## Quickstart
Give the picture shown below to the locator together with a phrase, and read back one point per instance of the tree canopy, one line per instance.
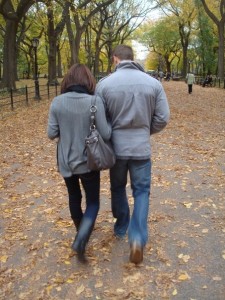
(186, 34)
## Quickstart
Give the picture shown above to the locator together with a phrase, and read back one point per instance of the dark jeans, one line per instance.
(91, 184)
(190, 88)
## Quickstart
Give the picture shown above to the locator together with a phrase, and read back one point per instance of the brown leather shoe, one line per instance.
(136, 253)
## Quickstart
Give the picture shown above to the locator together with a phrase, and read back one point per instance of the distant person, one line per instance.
(137, 108)
(69, 121)
(190, 79)
(168, 75)
(161, 75)
(207, 81)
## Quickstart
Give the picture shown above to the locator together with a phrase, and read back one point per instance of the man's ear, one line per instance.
(116, 60)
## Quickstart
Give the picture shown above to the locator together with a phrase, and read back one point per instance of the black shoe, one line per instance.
(79, 245)
(136, 253)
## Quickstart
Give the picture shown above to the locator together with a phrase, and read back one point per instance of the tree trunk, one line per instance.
(53, 36)
(73, 47)
(221, 51)
(52, 61)
(52, 80)
(12, 19)
(9, 55)
(60, 75)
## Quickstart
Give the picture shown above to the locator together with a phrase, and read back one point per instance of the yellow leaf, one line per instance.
(188, 205)
(67, 262)
(69, 280)
(3, 258)
(183, 277)
(80, 290)
(223, 256)
(174, 292)
(49, 288)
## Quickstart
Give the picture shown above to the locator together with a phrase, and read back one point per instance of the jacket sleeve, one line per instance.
(102, 124)
(161, 113)
(53, 126)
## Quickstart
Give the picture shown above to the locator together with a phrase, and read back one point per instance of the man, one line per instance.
(137, 107)
(161, 75)
(190, 78)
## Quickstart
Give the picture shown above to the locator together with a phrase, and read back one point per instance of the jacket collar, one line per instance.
(129, 64)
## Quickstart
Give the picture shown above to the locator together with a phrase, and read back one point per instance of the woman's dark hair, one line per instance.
(79, 74)
(123, 52)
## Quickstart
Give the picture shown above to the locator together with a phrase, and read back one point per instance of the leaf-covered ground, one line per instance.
(185, 256)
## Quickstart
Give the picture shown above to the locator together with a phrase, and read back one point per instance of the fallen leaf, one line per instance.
(188, 205)
(120, 291)
(174, 292)
(98, 284)
(80, 290)
(184, 277)
(217, 278)
(70, 280)
(3, 258)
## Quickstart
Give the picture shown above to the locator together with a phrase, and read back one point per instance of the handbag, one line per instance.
(100, 154)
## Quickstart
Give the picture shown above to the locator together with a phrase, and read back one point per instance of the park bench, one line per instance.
(210, 84)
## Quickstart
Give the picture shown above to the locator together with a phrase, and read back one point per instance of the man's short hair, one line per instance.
(123, 52)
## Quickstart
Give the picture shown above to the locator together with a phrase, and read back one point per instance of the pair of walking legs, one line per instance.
(83, 221)
(140, 178)
(190, 88)
(136, 224)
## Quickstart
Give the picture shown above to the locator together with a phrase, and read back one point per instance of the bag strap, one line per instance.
(93, 110)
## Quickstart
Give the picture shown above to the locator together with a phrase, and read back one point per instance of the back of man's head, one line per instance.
(123, 52)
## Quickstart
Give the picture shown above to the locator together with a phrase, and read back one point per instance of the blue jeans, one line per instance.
(140, 178)
(91, 184)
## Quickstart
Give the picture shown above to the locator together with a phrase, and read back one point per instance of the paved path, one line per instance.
(185, 257)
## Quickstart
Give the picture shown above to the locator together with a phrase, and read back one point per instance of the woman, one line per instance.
(69, 120)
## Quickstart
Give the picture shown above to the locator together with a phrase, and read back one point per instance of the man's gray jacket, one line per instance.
(137, 106)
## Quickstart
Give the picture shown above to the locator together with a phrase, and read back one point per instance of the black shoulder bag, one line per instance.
(100, 154)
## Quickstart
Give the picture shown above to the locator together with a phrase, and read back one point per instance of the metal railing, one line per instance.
(25, 96)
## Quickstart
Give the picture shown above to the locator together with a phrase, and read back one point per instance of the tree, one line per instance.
(54, 32)
(216, 12)
(81, 14)
(205, 43)
(163, 38)
(114, 25)
(185, 13)
(12, 14)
